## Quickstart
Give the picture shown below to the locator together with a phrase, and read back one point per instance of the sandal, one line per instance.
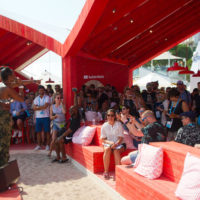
(55, 160)
(64, 161)
(106, 175)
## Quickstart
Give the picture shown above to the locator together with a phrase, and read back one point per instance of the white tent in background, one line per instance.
(195, 67)
(196, 59)
(167, 56)
(163, 81)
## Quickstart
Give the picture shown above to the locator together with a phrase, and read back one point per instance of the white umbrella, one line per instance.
(196, 59)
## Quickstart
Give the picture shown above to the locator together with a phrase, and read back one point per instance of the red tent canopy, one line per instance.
(109, 36)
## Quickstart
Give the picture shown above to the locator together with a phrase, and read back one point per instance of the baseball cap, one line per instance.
(189, 114)
(179, 82)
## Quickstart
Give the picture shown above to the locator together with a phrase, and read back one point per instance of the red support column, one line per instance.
(69, 80)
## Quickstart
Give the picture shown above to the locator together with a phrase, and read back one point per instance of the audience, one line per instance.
(189, 134)
(41, 107)
(152, 132)
(169, 115)
(64, 136)
(112, 139)
(57, 115)
(175, 108)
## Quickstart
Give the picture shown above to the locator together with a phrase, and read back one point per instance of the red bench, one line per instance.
(91, 156)
(133, 186)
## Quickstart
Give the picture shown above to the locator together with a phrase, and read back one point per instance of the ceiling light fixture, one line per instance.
(114, 11)
(28, 43)
(131, 21)
(150, 31)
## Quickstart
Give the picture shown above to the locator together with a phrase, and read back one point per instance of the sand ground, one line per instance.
(43, 180)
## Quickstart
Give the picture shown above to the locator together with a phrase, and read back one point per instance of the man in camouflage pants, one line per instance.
(5, 136)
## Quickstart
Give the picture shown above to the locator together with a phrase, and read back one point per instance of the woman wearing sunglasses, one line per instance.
(57, 114)
(112, 139)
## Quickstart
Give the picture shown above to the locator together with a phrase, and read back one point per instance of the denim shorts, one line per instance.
(133, 156)
(42, 123)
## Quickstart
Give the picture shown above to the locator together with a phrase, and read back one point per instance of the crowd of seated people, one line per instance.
(138, 112)
(150, 115)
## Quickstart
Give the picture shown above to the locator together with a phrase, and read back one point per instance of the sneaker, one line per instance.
(47, 148)
(15, 134)
(37, 147)
(20, 134)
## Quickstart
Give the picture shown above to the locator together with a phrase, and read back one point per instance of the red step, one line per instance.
(133, 186)
(174, 156)
(91, 156)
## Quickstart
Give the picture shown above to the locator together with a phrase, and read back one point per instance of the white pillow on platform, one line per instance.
(84, 135)
(149, 162)
(189, 184)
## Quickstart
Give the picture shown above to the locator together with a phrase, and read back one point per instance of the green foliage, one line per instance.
(182, 50)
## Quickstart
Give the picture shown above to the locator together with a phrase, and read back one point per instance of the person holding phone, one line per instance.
(57, 114)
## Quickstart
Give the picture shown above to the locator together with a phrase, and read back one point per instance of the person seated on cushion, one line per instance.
(19, 116)
(152, 132)
(112, 139)
(65, 136)
(189, 134)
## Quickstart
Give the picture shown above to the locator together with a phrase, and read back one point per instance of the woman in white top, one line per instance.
(112, 139)
(57, 114)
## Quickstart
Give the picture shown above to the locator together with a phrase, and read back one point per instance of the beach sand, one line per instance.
(43, 180)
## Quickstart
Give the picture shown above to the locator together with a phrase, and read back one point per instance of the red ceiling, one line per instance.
(16, 50)
(136, 31)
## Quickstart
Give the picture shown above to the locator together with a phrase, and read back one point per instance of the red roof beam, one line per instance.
(121, 35)
(168, 45)
(161, 35)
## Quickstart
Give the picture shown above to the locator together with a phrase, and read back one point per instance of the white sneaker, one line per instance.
(37, 148)
(47, 148)
(15, 133)
(20, 134)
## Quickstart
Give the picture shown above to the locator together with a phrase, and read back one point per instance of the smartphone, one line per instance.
(74, 89)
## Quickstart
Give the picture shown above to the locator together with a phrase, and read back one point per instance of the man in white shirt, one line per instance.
(41, 107)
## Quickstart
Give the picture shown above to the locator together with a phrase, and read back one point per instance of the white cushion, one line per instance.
(149, 161)
(189, 185)
(129, 141)
(84, 135)
(91, 115)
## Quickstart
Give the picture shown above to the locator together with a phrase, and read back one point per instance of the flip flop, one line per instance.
(55, 160)
(106, 175)
(64, 161)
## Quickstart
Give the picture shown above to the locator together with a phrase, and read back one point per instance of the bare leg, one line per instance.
(57, 148)
(53, 142)
(39, 138)
(48, 138)
(20, 124)
(117, 156)
(62, 149)
(106, 158)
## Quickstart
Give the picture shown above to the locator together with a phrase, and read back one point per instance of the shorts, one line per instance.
(133, 156)
(22, 117)
(42, 123)
(120, 146)
(68, 138)
(58, 126)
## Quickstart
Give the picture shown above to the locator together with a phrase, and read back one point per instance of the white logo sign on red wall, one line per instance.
(93, 76)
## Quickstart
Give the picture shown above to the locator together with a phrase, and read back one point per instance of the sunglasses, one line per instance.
(140, 111)
(123, 108)
(110, 115)
(58, 98)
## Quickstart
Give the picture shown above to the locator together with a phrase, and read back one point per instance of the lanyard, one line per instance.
(172, 111)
